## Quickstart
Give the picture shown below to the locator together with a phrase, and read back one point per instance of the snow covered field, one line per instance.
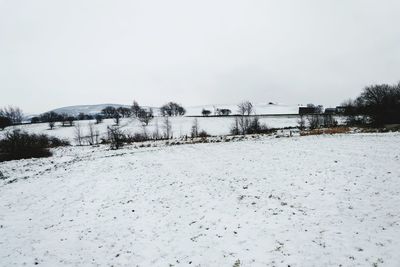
(302, 201)
(180, 126)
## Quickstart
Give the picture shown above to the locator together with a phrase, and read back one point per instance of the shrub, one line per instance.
(195, 129)
(203, 134)
(35, 120)
(314, 121)
(5, 122)
(246, 125)
(329, 121)
(20, 145)
(116, 137)
(301, 122)
(256, 127)
(205, 112)
(335, 130)
(99, 118)
(172, 109)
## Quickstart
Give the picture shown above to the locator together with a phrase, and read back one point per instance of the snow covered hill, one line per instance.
(87, 109)
(302, 201)
(260, 108)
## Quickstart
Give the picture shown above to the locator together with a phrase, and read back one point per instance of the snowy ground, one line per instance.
(302, 201)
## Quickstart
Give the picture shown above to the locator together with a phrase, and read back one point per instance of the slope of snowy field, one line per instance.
(259, 108)
(302, 201)
(86, 109)
(180, 126)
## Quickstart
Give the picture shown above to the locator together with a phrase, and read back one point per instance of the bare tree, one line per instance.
(167, 128)
(381, 103)
(145, 116)
(301, 122)
(15, 114)
(82, 116)
(93, 135)
(52, 124)
(223, 112)
(156, 133)
(145, 134)
(124, 112)
(172, 109)
(117, 117)
(135, 108)
(66, 120)
(245, 108)
(50, 117)
(235, 127)
(195, 128)
(99, 118)
(78, 134)
(70, 120)
(109, 112)
(314, 121)
(63, 118)
(329, 121)
(115, 137)
(247, 125)
(244, 124)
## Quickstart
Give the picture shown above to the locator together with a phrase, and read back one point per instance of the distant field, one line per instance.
(180, 125)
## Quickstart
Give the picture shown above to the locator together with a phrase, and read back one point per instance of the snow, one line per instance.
(266, 201)
(180, 126)
(86, 109)
(259, 108)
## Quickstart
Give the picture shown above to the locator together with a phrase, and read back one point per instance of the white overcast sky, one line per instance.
(60, 53)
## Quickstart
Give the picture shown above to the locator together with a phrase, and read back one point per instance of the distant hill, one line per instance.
(87, 109)
(260, 108)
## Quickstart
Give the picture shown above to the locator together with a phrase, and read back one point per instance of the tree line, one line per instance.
(14, 115)
(377, 105)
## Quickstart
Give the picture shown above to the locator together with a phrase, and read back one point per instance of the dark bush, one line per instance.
(20, 145)
(203, 134)
(99, 118)
(172, 109)
(5, 122)
(35, 120)
(256, 127)
(205, 112)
